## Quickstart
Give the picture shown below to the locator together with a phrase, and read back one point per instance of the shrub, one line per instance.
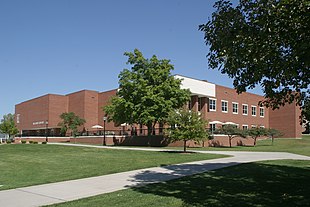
(43, 142)
(8, 141)
(35, 142)
(30, 142)
(24, 141)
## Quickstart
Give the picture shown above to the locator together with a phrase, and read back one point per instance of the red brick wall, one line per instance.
(230, 95)
(104, 99)
(39, 110)
(286, 120)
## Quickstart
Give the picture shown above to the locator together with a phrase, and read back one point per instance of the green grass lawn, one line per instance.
(282, 183)
(29, 164)
(297, 146)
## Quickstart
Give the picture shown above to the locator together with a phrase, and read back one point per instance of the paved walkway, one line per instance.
(75, 189)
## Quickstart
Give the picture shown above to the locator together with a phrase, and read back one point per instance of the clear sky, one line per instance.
(62, 46)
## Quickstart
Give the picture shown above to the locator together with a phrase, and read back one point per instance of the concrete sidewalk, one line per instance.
(75, 189)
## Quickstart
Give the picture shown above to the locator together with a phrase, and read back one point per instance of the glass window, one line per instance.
(244, 109)
(225, 106)
(212, 104)
(212, 127)
(235, 108)
(17, 118)
(261, 112)
(253, 110)
(245, 127)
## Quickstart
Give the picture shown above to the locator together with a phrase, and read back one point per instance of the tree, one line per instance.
(231, 131)
(254, 133)
(70, 121)
(7, 125)
(186, 125)
(305, 114)
(273, 133)
(147, 93)
(264, 42)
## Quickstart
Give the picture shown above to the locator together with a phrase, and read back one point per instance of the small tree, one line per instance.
(70, 122)
(273, 133)
(7, 125)
(231, 131)
(254, 133)
(186, 125)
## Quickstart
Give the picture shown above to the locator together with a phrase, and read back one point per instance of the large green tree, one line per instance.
(7, 125)
(147, 92)
(254, 133)
(305, 113)
(264, 42)
(186, 125)
(70, 121)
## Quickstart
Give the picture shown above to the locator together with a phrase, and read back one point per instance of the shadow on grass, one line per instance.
(253, 184)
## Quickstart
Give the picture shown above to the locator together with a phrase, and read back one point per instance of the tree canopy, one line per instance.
(264, 42)
(232, 131)
(186, 125)
(70, 121)
(7, 125)
(147, 92)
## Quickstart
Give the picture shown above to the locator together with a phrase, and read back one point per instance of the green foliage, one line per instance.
(8, 141)
(44, 142)
(305, 113)
(70, 122)
(231, 131)
(147, 93)
(34, 142)
(254, 133)
(273, 133)
(186, 125)
(264, 42)
(7, 125)
(30, 142)
(23, 141)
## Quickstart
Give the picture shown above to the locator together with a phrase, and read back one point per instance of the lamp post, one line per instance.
(46, 130)
(104, 121)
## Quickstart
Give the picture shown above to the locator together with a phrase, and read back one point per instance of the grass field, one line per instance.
(30, 164)
(282, 183)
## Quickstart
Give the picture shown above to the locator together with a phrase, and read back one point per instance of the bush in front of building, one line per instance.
(44, 142)
(24, 141)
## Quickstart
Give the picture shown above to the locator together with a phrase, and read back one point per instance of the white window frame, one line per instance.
(233, 107)
(263, 109)
(253, 126)
(213, 99)
(245, 125)
(224, 101)
(247, 106)
(252, 106)
(262, 127)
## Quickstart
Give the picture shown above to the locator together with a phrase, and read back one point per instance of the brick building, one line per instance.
(218, 104)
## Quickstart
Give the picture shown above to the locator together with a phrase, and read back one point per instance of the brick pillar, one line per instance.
(195, 103)
(204, 107)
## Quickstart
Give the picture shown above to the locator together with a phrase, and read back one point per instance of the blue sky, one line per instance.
(62, 46)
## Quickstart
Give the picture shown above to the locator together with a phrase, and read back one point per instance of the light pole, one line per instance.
(104, 121)
(46, 130)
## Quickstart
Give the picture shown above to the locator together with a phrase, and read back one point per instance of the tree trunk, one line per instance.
(184, 146)
(149, 133)
(272, 139)
(255, 141)
(230, 138)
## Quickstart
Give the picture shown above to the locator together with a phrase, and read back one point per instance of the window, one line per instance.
(253, 110)
(244, 109)
(261, 111)
(235, 108)
(253, 126)
(212, 104)
(225, 106)
(262, 127)
(212, 128)
(17, 118)
(245, 127)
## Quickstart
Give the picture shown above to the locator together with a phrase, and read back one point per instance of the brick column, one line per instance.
(204, 107)
(195, 103)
